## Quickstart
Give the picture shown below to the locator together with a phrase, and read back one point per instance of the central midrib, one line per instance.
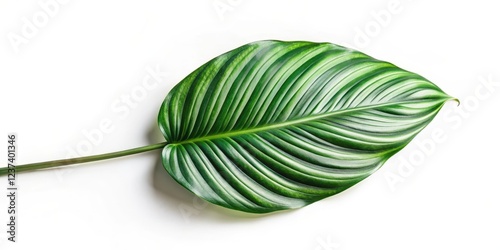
(299, 121)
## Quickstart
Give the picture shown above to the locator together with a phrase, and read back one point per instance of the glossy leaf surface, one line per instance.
(277, 125)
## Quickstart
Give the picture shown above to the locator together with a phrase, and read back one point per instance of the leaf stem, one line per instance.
(64, 162)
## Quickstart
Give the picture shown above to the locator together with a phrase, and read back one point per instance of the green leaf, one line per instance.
(277, 125)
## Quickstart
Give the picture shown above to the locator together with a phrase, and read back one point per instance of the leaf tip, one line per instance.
(455, 99)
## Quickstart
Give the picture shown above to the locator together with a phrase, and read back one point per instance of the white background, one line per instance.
(75, 68)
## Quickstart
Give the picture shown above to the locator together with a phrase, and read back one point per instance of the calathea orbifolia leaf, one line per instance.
(277, 125)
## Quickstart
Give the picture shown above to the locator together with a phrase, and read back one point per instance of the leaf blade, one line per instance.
(277, 125)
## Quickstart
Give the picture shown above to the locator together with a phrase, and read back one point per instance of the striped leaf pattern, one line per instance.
(276, 125)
